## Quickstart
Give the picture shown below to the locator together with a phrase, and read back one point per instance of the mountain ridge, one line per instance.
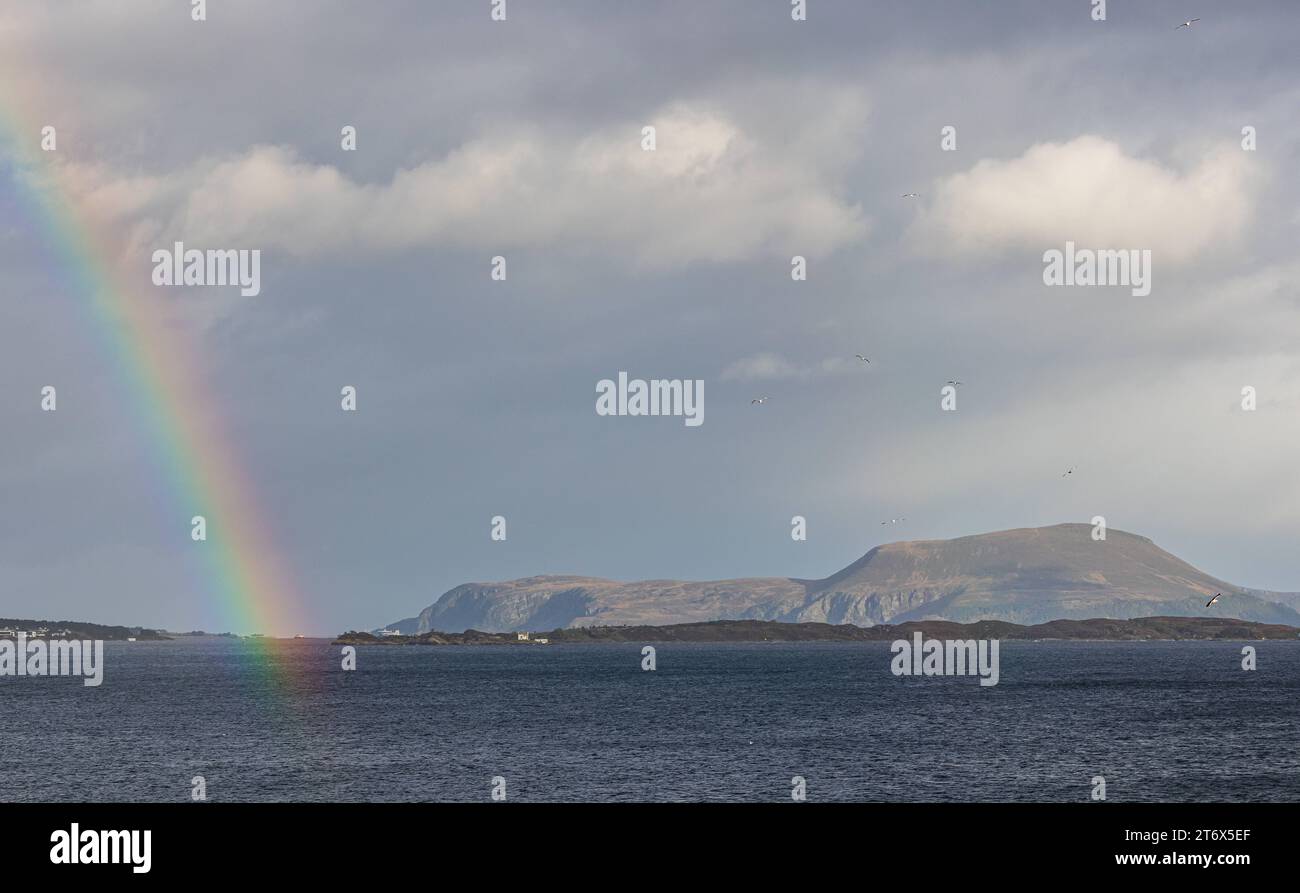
(1023, 575)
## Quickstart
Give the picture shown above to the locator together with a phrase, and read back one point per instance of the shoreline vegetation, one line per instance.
(75, 629)
(1137, 629)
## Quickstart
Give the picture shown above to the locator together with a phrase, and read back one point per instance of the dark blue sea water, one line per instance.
(1165, 721)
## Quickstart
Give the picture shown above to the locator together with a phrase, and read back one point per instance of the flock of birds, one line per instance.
(956, 383)
(862, 358)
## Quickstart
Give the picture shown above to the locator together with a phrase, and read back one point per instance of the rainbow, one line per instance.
(160, 366)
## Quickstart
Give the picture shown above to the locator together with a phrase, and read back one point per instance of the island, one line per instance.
(77, 629)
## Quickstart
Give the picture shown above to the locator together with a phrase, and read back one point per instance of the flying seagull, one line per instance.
(893, 521)
(911, 195)
(1213, 600)
(1070, 471)
(758, 400)
(862, 358)
(954, 383)
(1188, 23)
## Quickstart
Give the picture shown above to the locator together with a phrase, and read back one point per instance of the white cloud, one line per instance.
(774, 367)
(1089, 191)
(712, 192)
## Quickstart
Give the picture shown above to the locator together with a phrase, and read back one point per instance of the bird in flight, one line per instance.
(1069, 471)
(758, 400)
(862, 358)
(954, 383)
(1188, 23)
(1213, 600)
(892, 521)
(911, 195)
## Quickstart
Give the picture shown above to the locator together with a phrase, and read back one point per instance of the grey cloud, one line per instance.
(475, 396)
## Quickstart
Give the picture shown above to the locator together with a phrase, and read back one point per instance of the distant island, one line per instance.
(201, 634)
(1025, 576)
(1137, 629)
(76, 629)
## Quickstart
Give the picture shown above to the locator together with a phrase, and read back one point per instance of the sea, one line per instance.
(263, 720)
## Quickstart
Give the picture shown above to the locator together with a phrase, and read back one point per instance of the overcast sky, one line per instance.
(775, 138)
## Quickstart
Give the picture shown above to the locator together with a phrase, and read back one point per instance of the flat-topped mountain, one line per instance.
(1024, 576)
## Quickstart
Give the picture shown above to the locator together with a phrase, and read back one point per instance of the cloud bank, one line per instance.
(709, 192)
(1090, 191)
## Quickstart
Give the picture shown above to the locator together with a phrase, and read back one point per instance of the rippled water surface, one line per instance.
(1171, 721)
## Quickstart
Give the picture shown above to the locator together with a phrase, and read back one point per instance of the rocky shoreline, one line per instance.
(1138, 629)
